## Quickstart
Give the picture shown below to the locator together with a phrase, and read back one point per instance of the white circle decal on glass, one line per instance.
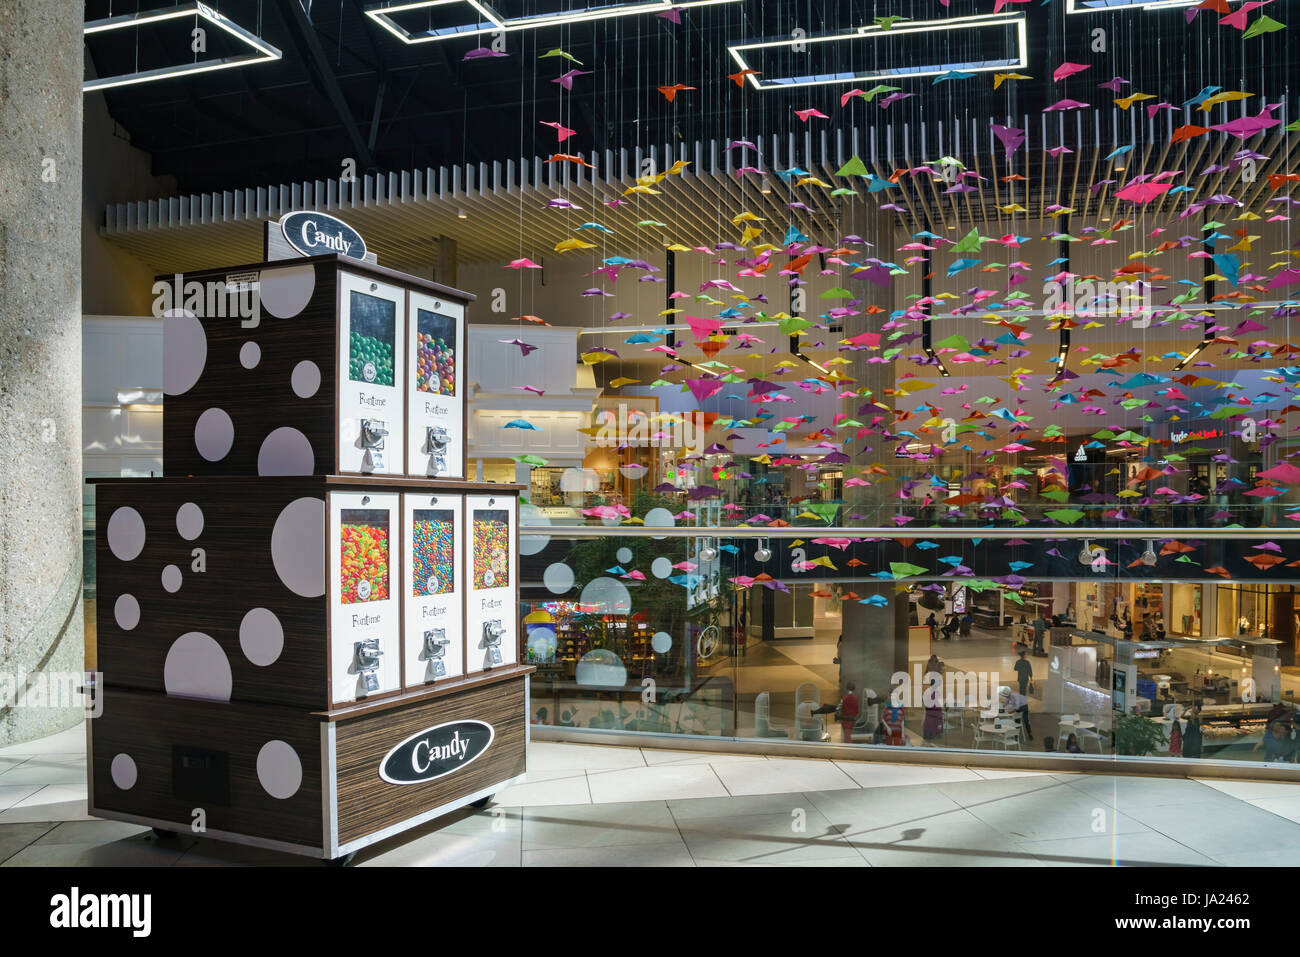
(171, 578)
(189, 521)
(298, 547)
(123, 771)
(126, 612)
(305, 379)
(261, 637)
(532, 544)
(185, 351)
(662, 642)
(623, 555)
(558, 578)
(659, 518)
(196, 667)
(250, 354)
(579, 480)
(609, 595)
(602, 668)
(125, 533)
(214, 434)
(279, 769)
(285, 292)
(661, 567)
(286, 451)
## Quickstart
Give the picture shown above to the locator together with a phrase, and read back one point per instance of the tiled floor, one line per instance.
(587, 805)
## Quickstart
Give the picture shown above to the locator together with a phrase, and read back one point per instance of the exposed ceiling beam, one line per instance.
(305, 35)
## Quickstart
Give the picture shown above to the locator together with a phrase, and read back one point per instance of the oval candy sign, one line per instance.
(316, 234)
(436, 752)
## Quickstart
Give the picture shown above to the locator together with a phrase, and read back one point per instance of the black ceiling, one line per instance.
(346, 88)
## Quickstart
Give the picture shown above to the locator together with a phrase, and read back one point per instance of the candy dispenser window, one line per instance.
(435, 360)
(491, 548)
(363, 555)
(433, 552)
(371, 340)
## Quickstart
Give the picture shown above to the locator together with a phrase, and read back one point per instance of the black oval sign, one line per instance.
(436, 752)
(316, 234)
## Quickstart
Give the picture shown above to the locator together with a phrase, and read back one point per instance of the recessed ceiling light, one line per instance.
(488, 20)
(126, 21)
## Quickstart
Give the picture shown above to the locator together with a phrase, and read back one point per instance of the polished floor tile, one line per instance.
(868, 774)
(131, 852)
(778, 775)
(546, 788)
(53, 802)
(46, 769)
(658, 783)
(668, 854)
(1147, 849)
(554, 756)
(655, 758)
(640, 822)
(798, 835)
(608, 806)
(71, 742)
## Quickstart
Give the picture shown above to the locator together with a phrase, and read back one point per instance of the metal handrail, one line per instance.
(841, 531)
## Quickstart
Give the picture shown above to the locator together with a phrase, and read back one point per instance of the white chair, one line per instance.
(763, 727)
(1068, 725)
(807, 726)
(1084, 735)
(980, 737)
(1008, 733)
(868, 718)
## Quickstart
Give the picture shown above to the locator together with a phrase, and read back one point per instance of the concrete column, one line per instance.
(875, 638)
(40, 358)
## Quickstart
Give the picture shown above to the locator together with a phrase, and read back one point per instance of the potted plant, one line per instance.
(1138, 735)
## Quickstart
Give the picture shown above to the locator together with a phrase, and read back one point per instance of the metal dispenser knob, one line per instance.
(365, 658)
(493, 631)
(372, 440)
(435, 650)
(436, 441)
(435, 643)
(372, 434)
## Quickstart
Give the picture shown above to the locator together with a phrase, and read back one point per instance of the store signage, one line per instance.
(316, 234)
(1197, 436)
(436, 752)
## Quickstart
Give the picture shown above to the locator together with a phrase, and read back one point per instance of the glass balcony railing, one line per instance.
(1110, 642)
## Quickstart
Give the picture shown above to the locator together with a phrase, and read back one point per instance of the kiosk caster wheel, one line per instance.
(163, 834)
(482, 802)
(344, 861)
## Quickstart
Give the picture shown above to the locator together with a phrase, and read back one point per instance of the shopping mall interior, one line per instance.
(887, 385)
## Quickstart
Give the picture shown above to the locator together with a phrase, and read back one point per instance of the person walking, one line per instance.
(849, 710)
(1040, 628)
(1024, 672)
(1192, 737)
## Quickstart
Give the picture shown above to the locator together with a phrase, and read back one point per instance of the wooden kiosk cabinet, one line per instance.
(323, 365)
(301, 647)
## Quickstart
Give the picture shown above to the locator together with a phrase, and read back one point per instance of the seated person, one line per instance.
(1072, 745)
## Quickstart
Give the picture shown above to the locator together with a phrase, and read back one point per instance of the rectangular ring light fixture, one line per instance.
(1101, 6)
(263, 51)
(1006, 35)
(477, 18)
